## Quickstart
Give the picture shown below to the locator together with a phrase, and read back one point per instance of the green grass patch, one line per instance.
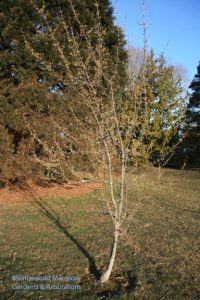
(70, 237)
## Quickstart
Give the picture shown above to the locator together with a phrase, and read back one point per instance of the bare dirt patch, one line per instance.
(18, 194)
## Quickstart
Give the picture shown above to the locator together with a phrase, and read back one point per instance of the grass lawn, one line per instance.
(70, 236)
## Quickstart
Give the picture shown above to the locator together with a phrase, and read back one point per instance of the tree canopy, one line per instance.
(31, 97)
(193, 123)
(47, 44)
(161, 106)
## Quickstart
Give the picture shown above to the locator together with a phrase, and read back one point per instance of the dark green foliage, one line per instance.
(16, 17)
(21, 18)
(34, 104)
(192, 142)
(187, 152)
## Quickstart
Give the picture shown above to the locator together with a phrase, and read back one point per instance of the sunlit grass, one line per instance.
(64, 235)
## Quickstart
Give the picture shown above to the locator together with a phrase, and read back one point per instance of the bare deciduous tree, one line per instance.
(85, 70)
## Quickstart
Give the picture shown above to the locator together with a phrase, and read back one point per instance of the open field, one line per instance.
(71, 236)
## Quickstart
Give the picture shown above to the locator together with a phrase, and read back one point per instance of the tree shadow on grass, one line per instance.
(53, 216)
(121, 284)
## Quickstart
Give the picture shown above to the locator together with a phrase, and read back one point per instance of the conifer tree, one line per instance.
(161, 107)
(28, 90)
(192, 143)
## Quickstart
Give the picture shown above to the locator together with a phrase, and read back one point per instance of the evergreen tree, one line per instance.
(160, 111)
(29, 94)
(21, 18)
(192, 143)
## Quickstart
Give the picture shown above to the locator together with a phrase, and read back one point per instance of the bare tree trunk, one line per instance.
(106, 274)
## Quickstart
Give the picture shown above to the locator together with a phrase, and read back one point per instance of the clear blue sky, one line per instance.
(173, 27)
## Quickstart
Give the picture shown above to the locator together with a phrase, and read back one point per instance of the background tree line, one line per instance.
(41, 135)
